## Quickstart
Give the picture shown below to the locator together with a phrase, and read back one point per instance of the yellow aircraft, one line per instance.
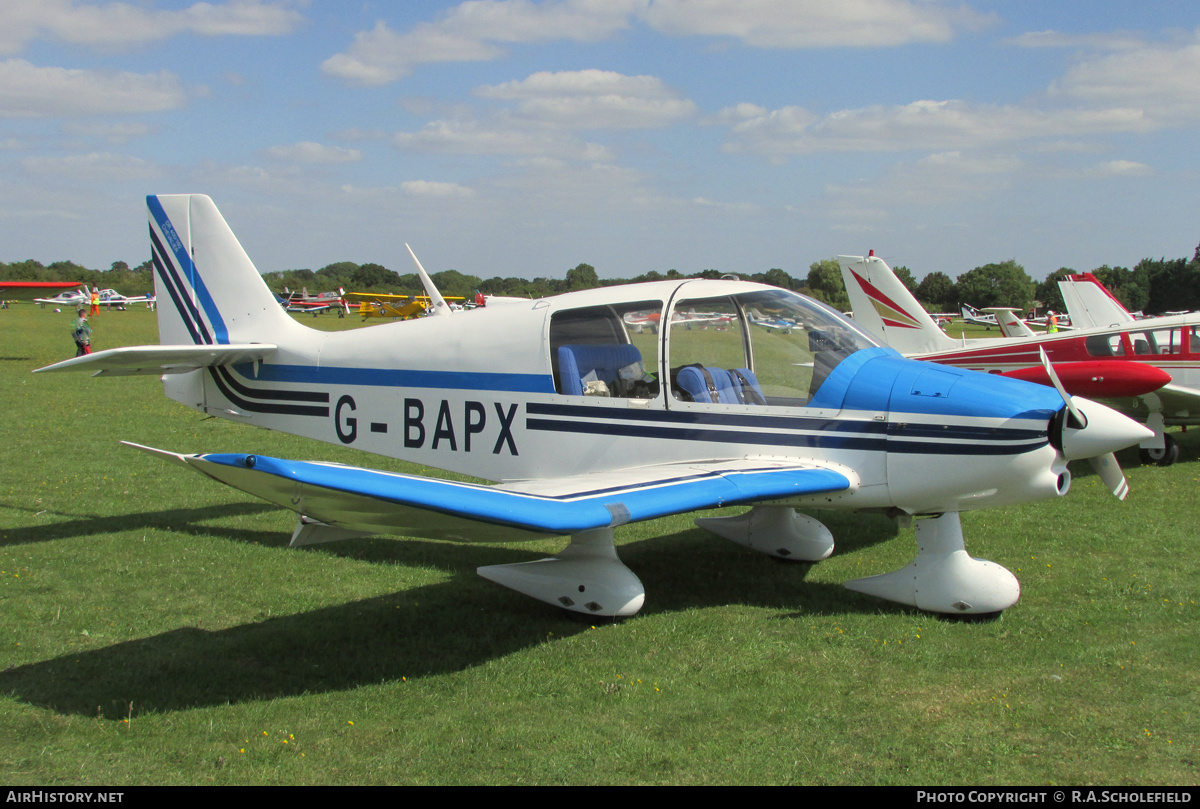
(402, 307)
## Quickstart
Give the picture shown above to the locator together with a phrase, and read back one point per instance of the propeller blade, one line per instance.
(1058, 385)
(1109, 470)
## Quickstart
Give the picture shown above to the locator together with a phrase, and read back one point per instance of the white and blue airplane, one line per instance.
(586, 425)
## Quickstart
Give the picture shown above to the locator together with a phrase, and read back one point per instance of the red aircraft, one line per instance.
(1147, 369)
(28, 290)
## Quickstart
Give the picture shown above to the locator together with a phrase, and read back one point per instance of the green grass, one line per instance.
(157, 630)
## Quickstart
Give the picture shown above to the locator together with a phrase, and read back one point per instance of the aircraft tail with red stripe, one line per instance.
(883, 305)
(1090, 304)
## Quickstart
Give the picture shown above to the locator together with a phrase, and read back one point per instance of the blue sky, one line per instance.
(520, 138)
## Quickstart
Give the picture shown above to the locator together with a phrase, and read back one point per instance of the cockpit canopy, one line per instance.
(761, 346)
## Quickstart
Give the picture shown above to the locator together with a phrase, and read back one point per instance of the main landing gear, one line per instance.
(1161, 457)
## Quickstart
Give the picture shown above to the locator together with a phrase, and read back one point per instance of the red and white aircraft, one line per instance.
(1147, 369)
(29, 290)
(1090, 304)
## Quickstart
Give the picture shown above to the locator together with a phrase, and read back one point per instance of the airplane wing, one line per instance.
(309, 308)
(375, 296)
(1174, 401)
(372, 501)
(159, 359)
(29, 290)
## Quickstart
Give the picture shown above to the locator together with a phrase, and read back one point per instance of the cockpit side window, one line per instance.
(1104, 345)
(1164, 341)
(606, 351)
(768, 347)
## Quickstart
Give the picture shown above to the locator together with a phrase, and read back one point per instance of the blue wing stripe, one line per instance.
(579, 511)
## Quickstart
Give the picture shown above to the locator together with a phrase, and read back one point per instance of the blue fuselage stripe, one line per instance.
(725, 419)
(831, 438)
(547, 417)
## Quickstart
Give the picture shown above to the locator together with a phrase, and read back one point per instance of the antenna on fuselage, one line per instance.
(437, 304)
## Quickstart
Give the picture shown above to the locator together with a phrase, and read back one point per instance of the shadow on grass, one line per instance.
(441, 628)
(185, 520)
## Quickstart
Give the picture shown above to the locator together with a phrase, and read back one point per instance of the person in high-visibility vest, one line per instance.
(1051, 322)
(95, 301)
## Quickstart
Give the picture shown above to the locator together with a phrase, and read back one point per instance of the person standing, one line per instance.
(95, 300)
(82, 332)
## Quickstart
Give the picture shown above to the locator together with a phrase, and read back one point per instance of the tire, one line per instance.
(1161, 457)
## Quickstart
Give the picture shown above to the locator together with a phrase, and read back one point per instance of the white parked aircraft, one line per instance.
(68, 298)
(107, 298)
(588, 425)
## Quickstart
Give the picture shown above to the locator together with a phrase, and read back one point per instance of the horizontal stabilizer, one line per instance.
(156, 360)
(393, 503)
(1009, 322)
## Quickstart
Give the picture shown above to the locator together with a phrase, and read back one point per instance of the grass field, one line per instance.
(156, 629)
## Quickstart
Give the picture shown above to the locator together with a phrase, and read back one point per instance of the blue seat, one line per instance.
(695, 383)
(726, 388)
(750, 393)
(605, 360)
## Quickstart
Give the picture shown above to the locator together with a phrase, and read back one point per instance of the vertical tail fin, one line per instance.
(437, 304)
(883, 305)
(208, 290)
(1089, 303)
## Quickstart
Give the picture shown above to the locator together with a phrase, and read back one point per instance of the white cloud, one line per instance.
(475, 31)
(309, 152)
(284, 181)
(814, 23)
(426, 188)
(727, 207)
(1108, 40)
(28, 91)
(118, 133)
(473, 138)
(594, 99)
(1162, 80)
(548, 107)
(943, 180)
(1120, 168)
(94, 167)
(479, 30)
(942, 125)
(119, 24)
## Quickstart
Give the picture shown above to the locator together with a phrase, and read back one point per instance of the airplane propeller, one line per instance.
(1096, 440)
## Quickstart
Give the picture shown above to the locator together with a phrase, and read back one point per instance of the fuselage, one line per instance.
(1171, 344)
(567, 386)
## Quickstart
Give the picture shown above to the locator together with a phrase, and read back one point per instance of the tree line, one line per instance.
(1153, 286)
